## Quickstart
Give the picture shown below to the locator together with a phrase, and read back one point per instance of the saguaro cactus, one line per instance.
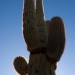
(45, 41)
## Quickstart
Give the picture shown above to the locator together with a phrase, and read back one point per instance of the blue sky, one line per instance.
(11, 40)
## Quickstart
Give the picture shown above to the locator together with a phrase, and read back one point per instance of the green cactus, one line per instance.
(45, 41)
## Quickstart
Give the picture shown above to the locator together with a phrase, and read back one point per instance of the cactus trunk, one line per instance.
(40, 65)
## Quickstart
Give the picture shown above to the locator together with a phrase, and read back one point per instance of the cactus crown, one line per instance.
(34, 28)
(34, 31)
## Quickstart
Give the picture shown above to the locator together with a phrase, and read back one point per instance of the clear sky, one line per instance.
(11, 40)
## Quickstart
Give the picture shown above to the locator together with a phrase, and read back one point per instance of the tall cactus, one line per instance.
(45, 41)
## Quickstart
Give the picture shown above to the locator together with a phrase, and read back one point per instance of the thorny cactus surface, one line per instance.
(45, 41)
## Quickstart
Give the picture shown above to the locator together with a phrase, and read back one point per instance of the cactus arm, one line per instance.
(21, 65)
(41, 23)
(39, 9)
(30, 31)
(56, 39)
